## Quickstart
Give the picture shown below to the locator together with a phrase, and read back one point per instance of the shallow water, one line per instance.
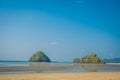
(36, 67)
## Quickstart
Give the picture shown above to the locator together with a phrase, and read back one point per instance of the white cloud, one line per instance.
(53, 43)
(79, 2)
(82, 50)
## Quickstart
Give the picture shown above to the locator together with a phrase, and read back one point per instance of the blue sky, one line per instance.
(63, 29)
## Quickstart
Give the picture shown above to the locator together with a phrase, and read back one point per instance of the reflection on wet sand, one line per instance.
(60, 67)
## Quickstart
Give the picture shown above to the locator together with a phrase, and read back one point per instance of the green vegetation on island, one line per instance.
(91, 58)
(39, 57)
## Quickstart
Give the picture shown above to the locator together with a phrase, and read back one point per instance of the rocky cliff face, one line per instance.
(91, 58)
(39, 57)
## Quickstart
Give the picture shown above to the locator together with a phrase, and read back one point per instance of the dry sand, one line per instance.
(64, 76)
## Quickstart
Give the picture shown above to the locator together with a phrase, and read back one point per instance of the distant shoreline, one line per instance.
(57, 62)
(12, 61)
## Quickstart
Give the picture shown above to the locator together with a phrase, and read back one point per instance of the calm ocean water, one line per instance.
(36, 67)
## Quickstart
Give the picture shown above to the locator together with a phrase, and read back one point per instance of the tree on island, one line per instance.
(91, 58)
(39, 57)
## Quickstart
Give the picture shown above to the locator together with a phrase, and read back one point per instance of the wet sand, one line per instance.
(59, 67)
(64, 76)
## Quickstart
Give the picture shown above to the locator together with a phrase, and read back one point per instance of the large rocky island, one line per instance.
(91, 58)
(39, 57)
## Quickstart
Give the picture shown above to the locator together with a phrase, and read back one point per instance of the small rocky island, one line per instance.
(91, 58)
(39, 57)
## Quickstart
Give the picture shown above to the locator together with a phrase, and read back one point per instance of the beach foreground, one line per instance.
(64, 76)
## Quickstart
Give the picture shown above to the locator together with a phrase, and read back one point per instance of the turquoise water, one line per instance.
(36, 67)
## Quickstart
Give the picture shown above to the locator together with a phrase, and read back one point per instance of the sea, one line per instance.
(24, 67)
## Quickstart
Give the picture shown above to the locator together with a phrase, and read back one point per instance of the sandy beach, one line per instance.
(64, 76)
